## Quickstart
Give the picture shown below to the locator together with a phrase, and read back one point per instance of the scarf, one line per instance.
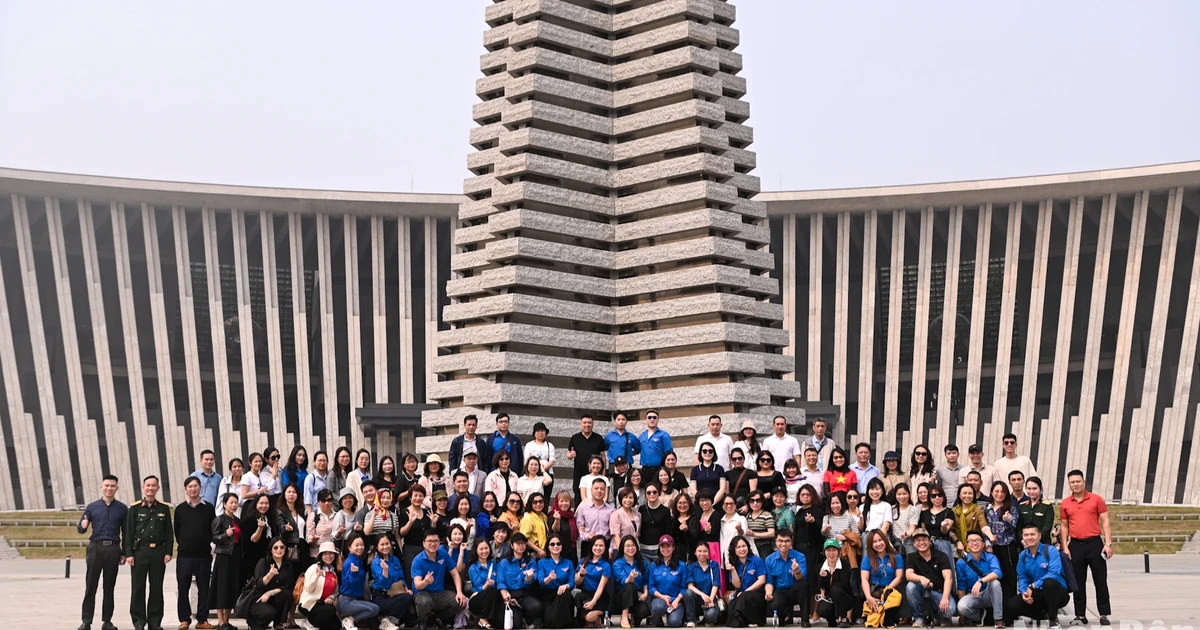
(569, 517)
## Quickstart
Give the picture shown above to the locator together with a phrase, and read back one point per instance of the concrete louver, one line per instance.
(610, 255)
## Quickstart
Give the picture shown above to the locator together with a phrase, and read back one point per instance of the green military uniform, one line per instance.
(149, 539)
(1041, 515)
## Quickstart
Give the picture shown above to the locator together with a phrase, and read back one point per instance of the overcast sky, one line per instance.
(377, 95)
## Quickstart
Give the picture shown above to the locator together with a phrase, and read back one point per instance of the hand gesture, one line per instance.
(353, 568)
(288, 526)
(808, 517)
(341, 529)
(553, 576)
(825, 529)
(229, 531)
(429, 578)
(769, 596)
(384, 566)
(795, 566)
(273, 571)
(632, 576)
(824, 572)
(728, 566)
(582, 570)
(262, 522)
(706, 526)
(740, 530)
(1007, 516)
(490, 583)
(84, 523)
(358, 527)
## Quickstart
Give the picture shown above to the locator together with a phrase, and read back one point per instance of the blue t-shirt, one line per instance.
(750, 571)
(478, 574)
(1035, 567)
(667, 580)
(593, 571)
(564, 573)
(779, 568)
(512, 573)
(704, 579)
(655, 447)
(354, 577)
(621, 570)
(883, 574)
(622, 445)
(422, 565)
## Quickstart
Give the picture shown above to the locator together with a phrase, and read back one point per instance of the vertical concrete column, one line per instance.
(404, 254)
(1108, 446)
(255, 439)
(895, 306)
(861, 425)
(379, 309)
(274, 332)
(1037, 304)
(354, 316)
(920, 365)
(24, 438)
(432, 311)
(1138, 453)
(841, 310)
(300, 314)
(943, 430)
(978, 307)
(788, 258)
(201, 437)
(229, 441)
(1051, 441)
(1008, 302)
(328, 326)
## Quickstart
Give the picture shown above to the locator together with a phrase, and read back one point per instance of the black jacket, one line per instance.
(224, 542)
(482, 446)
(282, 519)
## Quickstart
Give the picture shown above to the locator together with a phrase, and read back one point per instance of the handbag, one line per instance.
(508, 617)
(241, 609)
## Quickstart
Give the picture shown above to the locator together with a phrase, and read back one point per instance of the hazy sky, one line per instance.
(377, 95)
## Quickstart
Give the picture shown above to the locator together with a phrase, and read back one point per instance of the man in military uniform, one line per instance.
(149, 543)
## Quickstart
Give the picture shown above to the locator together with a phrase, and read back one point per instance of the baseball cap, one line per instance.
(666, 539)
(891, 455)
(833, 542)
(921, 531)
(975, 448)
(620, 461)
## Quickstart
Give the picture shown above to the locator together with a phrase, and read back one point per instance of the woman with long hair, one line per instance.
(922, 496)
(320, 590)
(733, 525)
(882, 569)
(457, 548)
(968, 515)
(514, 508)
(839, 477)
(704, 588)
(271, 472)
(891, 475)
(518, 582)
(679, 481)
(806, 533)
(666, 492)
(555, 576)
(535, 525)
(938, 520)
(320, 526)
(768, 477)
(742, 480)
(905, 518)
(592, 580)
(792, 480)
(386, 476)
(274, 579)
(235, 482)
(339, 470)
(595, 471)
(709, 476)
(296, 470)
(749, 440)
(434, 478)
(562, 522)
(460, 514)
(631, 576)
(489, 509)
(485, 603)
(625, 520)
(1003, 518)
(685, 526)
(226, 581)
(352, 599)
(638, 486)
(360, 473)
(841, 526)
(921, 467)
(747, 584)
(710, 530)
(290, 523)
(257, 527)
(501, 481)
(668, 581)
(387, 570)
(408, 478)
(761, 525)
(439, 514)
(534, 480)
(876, 511)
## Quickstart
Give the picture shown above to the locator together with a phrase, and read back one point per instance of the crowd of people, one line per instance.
(773, 530)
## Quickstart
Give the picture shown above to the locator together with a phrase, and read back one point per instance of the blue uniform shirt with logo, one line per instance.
(779, 568)
(593, 571)
(1034, 566)
(354, 577)
(967, 577)
(885, 572)
(621, 569)
(622, 445)
(704, 579)
(564, 573)
(422, 565)
(395, 573)
(668, 581)
(512, 573)
(655, 447)
(749, 571)
(479, 573)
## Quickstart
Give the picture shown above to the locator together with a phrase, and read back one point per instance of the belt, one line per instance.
(106, 543)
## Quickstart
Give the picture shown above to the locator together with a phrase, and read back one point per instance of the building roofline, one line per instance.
(192, 194)
(975, 192)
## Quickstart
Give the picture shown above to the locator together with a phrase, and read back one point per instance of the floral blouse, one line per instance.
(1004, 531)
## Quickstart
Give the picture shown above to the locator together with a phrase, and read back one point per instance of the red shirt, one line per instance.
(330, 585)
(1083, 516)
(841, 481)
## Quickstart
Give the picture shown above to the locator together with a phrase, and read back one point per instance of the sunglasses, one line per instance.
(278, 547)
(538, 501)
(555, 544)
(652, 492)
(851, 497)
(736, 459)
(514, 501)
(652, 417)
(708, 452)
(273, 458)
(756, 500)
(329, 500)
(919, 454)
(1008, 442)
(937, 496)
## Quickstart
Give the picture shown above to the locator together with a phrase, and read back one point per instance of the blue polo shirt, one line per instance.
(655, 447)
(622, 445)
(210, 484)
(704, 579)
(885, 572)
(966, 577)
(621, 570)
(668, 581)
(422, 565)
(512, 573)
(750, 571)
(779, 568)
(564, 573)
(1035, 566)
(593, 572)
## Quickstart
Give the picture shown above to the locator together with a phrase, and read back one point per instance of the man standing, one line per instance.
(987, 472)
(620, 476)
(106, 517)
(721, 443)
(1016, 481)
(619, 442)
(502, 440)
(475, 475)
(580, 449)
(1087, 538)
(782, 445)
(949, 475)
(591, 519)
(1041, 590)
(929, 572)
(316, 482)
(1012, 462)
(469, 442)
(149, 543)
(193, 532)
(979, 588)
(819, 441)
(655, 446)
(429, 571)
(462, 488)
(863, 467)
(810, 472)
(210, 481)
(787, 580)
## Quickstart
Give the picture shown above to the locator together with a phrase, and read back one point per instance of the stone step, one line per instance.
(8, 552)
(1192, 546)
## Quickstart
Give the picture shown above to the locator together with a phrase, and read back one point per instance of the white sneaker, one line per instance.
(386, 623)
(691, 624)
(348, 623)
(305, 624)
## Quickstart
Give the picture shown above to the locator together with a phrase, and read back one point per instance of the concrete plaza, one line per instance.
(38, 594)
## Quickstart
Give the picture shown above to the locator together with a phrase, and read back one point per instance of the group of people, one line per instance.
(761, 530)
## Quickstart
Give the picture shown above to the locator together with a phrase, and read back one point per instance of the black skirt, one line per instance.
(488, 604)
(226, 583)
(748, 609)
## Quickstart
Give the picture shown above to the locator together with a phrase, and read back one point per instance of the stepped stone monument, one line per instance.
(611, 255)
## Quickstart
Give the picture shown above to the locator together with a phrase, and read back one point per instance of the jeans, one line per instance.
(692, 607)
(972, 607)
(185, 569)
(658, 610)
(945, 546)
(359, 609)
(916, 600)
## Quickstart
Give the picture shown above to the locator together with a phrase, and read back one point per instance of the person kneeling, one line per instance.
(929, 574)
(704, 588)
(748, 580)
(555, 574)
(787, 580)
(273, 582)
(320, 591)
(388, 589)
(1041, 588)
(978, 574)
(429, 570)
(668, 581)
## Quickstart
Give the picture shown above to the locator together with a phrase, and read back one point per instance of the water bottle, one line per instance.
(775, 619)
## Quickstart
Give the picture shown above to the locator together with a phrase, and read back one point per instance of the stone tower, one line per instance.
(611, 255)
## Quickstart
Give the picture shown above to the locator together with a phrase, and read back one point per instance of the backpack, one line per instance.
(1067, 576)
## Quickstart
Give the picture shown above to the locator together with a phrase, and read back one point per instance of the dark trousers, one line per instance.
(838, 603)
(1089, 553)
(436, 604)
(396, 606)
(148, 566)
(106, 560)
(323, 616)
(528, 610)
(274, 610)
(785, 600)
(185, 570)
(1046, 602)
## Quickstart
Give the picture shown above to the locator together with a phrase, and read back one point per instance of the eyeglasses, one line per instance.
(278, 547)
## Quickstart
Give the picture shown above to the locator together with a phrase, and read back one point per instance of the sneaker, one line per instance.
(348, 623)
(305, 624)
(1104, 620)
(386, 623)
(1054, 625)
(918, 623)
(691, 624)
(999, 625)
(843, 624)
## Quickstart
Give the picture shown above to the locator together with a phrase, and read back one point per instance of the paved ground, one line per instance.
(37, 593)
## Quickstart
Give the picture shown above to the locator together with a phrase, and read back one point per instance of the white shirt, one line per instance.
(722, 443)
(544, 452)
(878, 514)
(782, 449)
(751, 458)
(527, 487)
(252, 482)
(729, 531)
(228, 486)
(270, 481)
(585, 485)
(1004, 466)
